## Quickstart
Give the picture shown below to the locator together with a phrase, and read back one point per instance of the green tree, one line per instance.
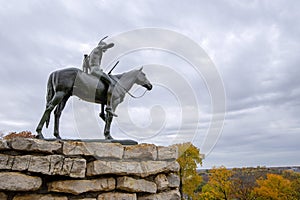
(189, 158)
(219, 185)
(274, 187)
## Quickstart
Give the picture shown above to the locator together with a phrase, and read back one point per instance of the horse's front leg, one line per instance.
(102, 113)
(109, 118)
(108, 121)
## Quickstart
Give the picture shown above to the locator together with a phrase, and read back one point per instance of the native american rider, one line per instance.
(95, 67)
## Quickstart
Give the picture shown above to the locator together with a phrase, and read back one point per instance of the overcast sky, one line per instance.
(254, 45)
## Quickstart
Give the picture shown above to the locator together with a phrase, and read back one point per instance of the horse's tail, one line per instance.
(50, 94)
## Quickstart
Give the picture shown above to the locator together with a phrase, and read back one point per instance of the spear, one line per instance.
(113, 67)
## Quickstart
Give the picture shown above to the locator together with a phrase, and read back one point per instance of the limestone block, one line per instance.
(80, 186)
(167, 153)
(21, 163)
(36, 145)
(49, 165)
(3, 196)
(142, 169)
(6, 161)
(169, 195)
(135, 185)
(87, 199)
(116, 196)
(39, 197)
(14, 181)
(3, 145)
(161, 182)
(40, 164)
(97, 149)
(141, 152)
(174, 180)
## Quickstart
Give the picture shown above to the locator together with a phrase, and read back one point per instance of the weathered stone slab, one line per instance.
(39, 197)
(14, 181)
(87, 199)
(6, 161)
(116, 196)
(135, 185)
(167, 153)
(140, 152)
(170, 195)
(3, 145)
(40, 164)
(99, 150)
(58, 165)
(142, 169)
(174, 180)
(3, 196)
(49, 165)
(21, 163)
(80, 186)
(161, 182)
(35, 145)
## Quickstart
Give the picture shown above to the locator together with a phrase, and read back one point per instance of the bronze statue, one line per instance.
(96, 87)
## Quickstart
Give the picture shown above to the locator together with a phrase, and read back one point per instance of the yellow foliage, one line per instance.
(219, 185)
(189, 157)
(274, 187)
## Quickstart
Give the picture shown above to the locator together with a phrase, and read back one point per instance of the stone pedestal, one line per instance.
(90, 170)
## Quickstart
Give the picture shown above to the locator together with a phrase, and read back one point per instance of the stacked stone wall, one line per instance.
(32, 169)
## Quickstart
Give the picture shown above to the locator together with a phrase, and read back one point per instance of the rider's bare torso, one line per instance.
(95, 57)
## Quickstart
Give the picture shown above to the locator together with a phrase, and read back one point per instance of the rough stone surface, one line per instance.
(21, 163)
(135, 185)
(39, 197)
(141, 152)
(6, 161)
(170, 195)
(97, 149)
(167, 153)
(161, 182)
(49, 165)
(80, 186)
(87, 199)
(14, 181)
(3, 196)
(117, 196)
(174, 180)
(143, 169)
(3, 145)
(36, 145)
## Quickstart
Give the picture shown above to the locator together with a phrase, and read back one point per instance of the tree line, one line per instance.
(233, 184)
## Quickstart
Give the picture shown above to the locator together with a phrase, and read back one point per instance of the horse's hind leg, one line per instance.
(57, 113)
(49, 107)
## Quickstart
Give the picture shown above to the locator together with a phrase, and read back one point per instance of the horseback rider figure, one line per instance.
(94, 64)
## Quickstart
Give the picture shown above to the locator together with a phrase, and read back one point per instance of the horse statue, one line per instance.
(62, 84)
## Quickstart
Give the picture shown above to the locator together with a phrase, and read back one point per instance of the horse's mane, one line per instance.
(120, 75)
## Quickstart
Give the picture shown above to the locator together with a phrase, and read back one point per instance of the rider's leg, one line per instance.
(109, 102)
(108, 80)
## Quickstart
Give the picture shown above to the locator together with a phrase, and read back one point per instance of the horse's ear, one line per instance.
(141, 69)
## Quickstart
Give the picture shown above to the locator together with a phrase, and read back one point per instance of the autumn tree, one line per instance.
(219, 185)
(294, 177)
(189, 158)
(274, 187)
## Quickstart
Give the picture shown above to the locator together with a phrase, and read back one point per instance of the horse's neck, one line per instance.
(128, 79)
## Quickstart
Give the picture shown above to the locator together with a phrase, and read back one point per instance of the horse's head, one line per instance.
(142, 79)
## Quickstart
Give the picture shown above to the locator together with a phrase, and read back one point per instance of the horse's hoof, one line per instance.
(39, 136)
(57, 136)
(109, 137)
(102, 116)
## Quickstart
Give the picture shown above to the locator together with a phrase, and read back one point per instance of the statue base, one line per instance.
(123, 142)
